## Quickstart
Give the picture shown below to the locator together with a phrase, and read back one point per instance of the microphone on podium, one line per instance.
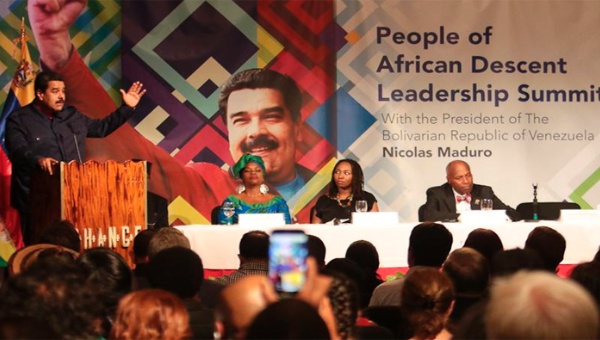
(70, 125)
(534, 206)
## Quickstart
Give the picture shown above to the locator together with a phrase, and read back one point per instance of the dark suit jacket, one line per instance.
(441, 203)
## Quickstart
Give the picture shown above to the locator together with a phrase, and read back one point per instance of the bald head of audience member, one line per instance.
(540, 305)
(550, 244)
(166, 238)
(239, 303)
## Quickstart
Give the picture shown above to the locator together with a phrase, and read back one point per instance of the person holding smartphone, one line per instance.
(345, 190)
(253, 196)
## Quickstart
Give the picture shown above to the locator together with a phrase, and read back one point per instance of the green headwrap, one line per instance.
(244, 160)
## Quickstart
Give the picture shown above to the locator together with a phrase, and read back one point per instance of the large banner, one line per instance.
(403, 87)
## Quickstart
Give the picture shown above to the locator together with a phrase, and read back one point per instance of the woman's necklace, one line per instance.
(349, 198)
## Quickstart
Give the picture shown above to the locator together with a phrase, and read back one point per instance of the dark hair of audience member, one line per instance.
(429, 245)
(485, 241)
(288, 319)
(549, 243)
(177, 270)
(25, 327)
(316, 249)
(109, 274)
(469, 272)
(344, 298)
(141, 242)
(597, 256)
(472, 324)
(61, 233)
(351, 270)
(366, 256)
(254, 245)
(587, 274)
(427, 296)
(54, 291)
(151, 314)
(508, 262)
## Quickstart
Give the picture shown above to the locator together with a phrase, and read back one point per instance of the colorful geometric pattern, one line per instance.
(193, 47)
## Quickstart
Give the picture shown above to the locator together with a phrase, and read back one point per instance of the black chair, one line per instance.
(214, 215)
(546, 210)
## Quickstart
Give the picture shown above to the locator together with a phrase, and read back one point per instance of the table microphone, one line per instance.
(70, 125)
(534, 206)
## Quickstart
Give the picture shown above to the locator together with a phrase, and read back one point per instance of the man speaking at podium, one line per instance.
(46, 132)
(447, 201)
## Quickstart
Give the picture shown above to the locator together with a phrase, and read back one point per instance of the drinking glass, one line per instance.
(361, 206)
(487, 204)
(228, 210)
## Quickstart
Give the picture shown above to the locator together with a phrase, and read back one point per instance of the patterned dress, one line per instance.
(275, 205)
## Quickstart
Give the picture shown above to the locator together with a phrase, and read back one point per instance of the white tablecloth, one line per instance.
(218, 245)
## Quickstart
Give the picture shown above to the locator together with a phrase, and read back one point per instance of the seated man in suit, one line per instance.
(446, 202)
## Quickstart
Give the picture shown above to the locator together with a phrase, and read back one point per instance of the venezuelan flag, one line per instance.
(20, 94)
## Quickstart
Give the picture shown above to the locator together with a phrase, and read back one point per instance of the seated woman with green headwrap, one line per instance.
(253, 196)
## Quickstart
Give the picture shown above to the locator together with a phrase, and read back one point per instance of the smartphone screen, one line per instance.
(287, 260)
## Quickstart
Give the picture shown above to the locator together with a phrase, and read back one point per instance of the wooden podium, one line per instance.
(105, 201)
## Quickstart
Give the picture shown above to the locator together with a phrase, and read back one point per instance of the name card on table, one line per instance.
(262, 220)
(375, 218)
(483, 217)
(579, 215)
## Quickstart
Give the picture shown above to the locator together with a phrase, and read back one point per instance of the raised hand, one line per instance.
(132, 97)
(50, 21)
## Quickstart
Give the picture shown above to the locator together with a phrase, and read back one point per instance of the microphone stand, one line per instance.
(534, 207)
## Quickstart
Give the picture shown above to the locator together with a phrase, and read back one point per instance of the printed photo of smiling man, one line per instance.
(261, 109)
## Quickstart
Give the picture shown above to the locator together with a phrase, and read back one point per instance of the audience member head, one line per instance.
(56, 293)
(429, 245)
(588, 275)
(108, 273)
(469, 272)
(597, 256)
(151, 314)
(177, 270)
(141, 242)
(316, 249)
(364, 254)
(254, 245)
(427, 297)
(238, 305)
(288, 319)
(550, 244)
(25, 257)
(354, 272)
(167, 238)
(508, 262)
(61, 233)
(485, 241)
(539, 305)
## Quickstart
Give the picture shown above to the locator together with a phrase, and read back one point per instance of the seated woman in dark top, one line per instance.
(345, 188)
